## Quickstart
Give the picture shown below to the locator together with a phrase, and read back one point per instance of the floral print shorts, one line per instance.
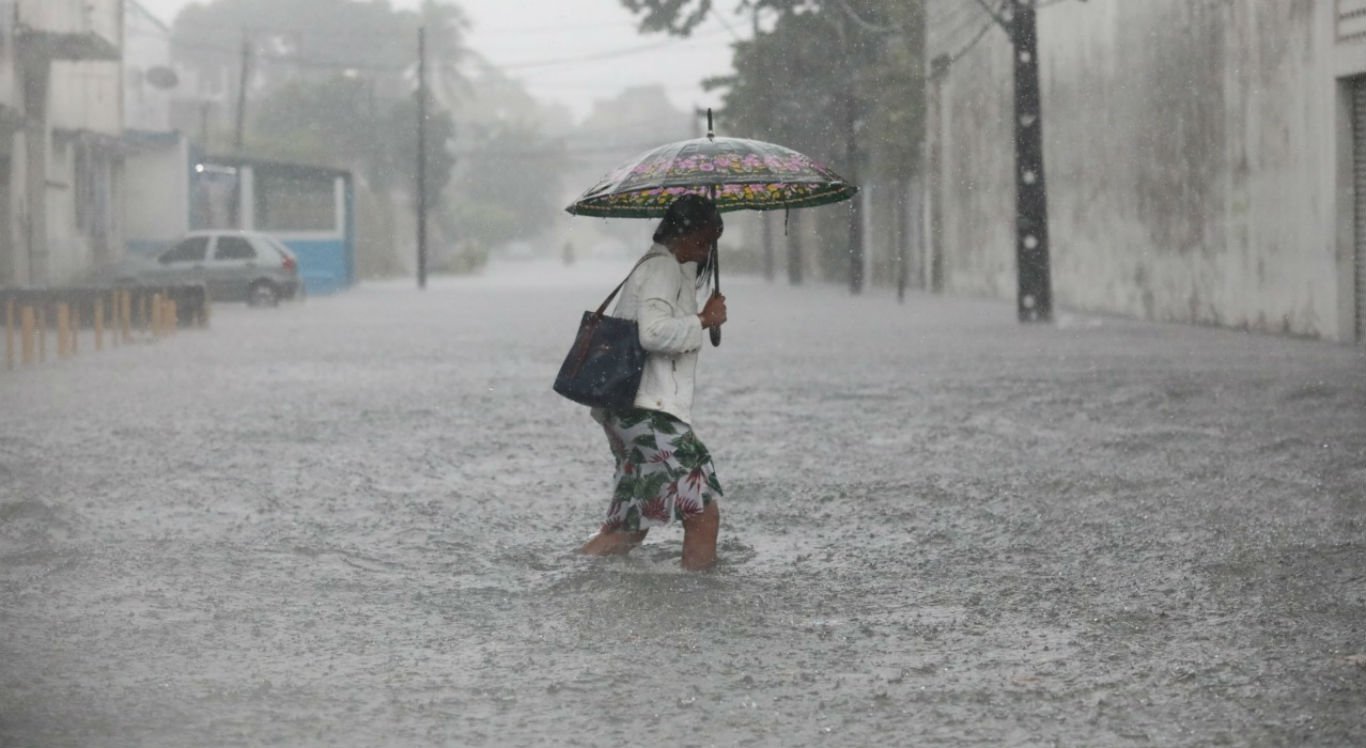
(664, 472)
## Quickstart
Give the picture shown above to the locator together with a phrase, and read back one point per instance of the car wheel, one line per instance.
(263, 293)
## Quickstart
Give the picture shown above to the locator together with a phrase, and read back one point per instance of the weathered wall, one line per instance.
(87, 95)
(1184, 142)
(147, 46)
(69, 253)
(156, 183)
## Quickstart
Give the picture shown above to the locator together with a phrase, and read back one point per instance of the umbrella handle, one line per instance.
(716, 288)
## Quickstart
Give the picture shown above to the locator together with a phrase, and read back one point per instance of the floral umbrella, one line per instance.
(736, 173)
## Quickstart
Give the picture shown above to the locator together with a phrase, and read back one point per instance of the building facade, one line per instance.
(157, 157)
(1205, 160)
(60, 127)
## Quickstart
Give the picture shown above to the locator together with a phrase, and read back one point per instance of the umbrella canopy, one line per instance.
(737, 173)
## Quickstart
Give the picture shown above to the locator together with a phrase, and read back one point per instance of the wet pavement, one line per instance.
(349, 522)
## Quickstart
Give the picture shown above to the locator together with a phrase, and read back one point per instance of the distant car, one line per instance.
(234, 265)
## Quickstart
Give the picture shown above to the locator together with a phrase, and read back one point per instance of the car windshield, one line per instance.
(188, 250)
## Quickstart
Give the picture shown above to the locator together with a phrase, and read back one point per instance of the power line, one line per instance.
(604, 55)
(997, 18)
(976, 39)
(955, 14)
(300, 61)
(977, 23)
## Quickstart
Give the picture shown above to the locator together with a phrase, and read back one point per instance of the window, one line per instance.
(295, 202)
(234, 248)
(214, 197)
(190, 250)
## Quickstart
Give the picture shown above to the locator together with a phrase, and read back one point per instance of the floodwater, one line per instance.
(350, 522)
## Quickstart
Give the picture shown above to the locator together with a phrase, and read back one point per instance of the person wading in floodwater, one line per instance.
(663, 471)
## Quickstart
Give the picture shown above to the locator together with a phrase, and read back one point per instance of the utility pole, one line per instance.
(933, 266)
(767, 218)
(1034, 298)
(422, 157)
(205, 109)
(852, 157)
(244, 80)
(850, 105)
(1034, 302)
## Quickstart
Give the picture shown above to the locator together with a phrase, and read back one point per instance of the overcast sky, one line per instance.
(575, 51)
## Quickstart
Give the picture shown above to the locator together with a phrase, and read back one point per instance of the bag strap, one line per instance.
(601, 309)
(580, 351)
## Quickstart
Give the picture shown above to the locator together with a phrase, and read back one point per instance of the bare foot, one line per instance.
(699, 538)
(612, 543)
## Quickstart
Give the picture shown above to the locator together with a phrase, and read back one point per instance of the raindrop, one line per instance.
(1028, 301)
(1025, 57)
(1030, 177)
(1031, 242)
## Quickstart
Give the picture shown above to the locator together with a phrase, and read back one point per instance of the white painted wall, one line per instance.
(69, 253)
(87, 96)
(156, 193)
(9, 92)
(1193, 157)
(147, 45)
(79, 17)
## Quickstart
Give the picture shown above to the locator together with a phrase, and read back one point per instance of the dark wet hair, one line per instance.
(685, 215)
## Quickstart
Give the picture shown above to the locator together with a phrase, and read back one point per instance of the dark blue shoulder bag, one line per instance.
(604, 366)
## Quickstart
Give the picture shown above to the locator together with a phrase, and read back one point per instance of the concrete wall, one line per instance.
(87, 96)
(156, 194)
(1191, 150)
(74, 18)
(9, 93)
(69, 253)
(147, 46)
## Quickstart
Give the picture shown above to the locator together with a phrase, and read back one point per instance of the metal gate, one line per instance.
(1359, 184)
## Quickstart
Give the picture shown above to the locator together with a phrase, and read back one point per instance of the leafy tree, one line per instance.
(508, 183)
(862, 114)
(318, 36)
(333, 82)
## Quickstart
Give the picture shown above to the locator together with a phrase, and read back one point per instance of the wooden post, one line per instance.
(63, 330)
(99, 323)
(29, 322)
(74, 337)
(174, 318)
(126, 315)
(42, 335)
(148, 305)
(9, 334)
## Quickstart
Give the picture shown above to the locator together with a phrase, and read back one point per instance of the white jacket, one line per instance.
(661, 296)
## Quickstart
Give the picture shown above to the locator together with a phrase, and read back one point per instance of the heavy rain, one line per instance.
(1039, 417)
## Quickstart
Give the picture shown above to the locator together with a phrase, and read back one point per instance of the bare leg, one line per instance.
(699, 538)
(612, 543)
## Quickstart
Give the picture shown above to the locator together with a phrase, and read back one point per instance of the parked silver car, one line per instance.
(234, 265)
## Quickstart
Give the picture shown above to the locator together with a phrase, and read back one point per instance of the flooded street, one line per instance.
(350, 522)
